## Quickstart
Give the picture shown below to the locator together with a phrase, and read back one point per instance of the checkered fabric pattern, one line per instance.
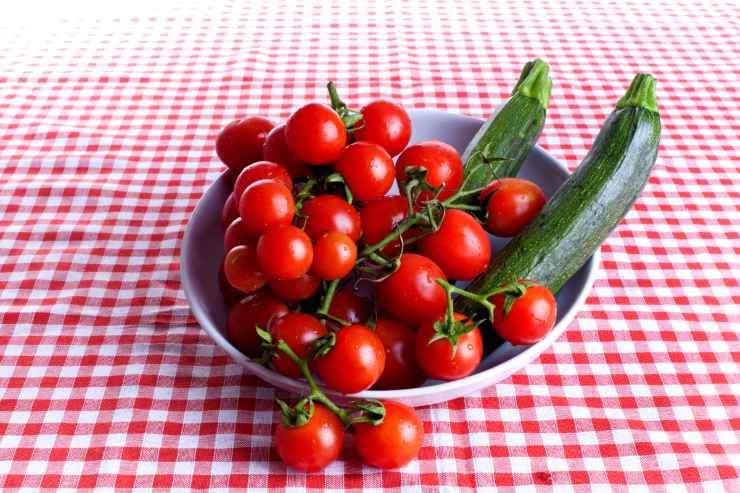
(108, 113)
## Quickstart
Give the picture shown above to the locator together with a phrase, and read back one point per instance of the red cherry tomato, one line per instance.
(230, 211)
(367, 169)
(261, 170)
(401, 369)
(347, 305)
(315, 134)
(460, 246)
(511, 204)
(296, 289)
(531, 316)
(326, 213)
(393, 443)
(253, 311)
(334, 256)
(242, 270)
(240, 142)
(314, 445)
(284, 252)
(266, 203)
(230, 293)
(437, 359)
(384, 123)
(299, 331)
(354, 363)
(411, 294)
(236, 234)
(277, 151)
(441, 161)
(380, 217)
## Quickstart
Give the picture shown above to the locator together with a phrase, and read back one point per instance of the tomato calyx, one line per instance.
(298, 415)
(268, 347)
(349, 117)
(416, 182)
(514, 292)
(451, 328)
(367, 411)
(323, 345)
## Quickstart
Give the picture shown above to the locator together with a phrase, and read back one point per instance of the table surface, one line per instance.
(107, 119)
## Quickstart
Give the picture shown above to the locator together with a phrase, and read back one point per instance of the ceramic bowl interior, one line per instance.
(202, 251)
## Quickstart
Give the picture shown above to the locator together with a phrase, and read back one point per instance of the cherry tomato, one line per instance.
(511, 204)
(261, 170)
(334, 256)
(411, 294)
(385, 123)
(266, 203)
(230, 293)
(437, 360)
(354, 363)
(380, 217)
(299, 331)
(230, 211)
(367, 169)
(460, 246)
(393, 443)
(326, 213)
(401, 369)
(284, 252)
(236, 234)
(256, 310)
(347, 305)
(315, 134)
(296, 289)
(277, 151)
(314, 445)
(240, 142)
(441, 161)
(242, 270)
(531, 316)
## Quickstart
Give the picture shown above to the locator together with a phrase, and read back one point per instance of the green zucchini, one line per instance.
(499, 148)
(588, 206)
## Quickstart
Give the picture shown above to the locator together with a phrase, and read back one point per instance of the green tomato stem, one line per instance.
(338, 320)
(480, 299)
(316, 394)
(349, 117)
(402, 227)
(463, 207)
(336, 102)
(328, 297)
(378, 259)
(514, 288)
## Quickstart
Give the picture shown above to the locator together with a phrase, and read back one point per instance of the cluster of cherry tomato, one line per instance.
(309, 220)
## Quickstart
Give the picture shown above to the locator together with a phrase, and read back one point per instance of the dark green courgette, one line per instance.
(499, 148)
(589, 205)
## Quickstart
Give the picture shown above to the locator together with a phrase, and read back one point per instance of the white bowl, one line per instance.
(202, 251)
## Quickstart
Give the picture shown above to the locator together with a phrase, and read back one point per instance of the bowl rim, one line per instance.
(473, 381)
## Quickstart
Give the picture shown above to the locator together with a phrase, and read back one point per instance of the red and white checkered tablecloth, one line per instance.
(108, 112)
